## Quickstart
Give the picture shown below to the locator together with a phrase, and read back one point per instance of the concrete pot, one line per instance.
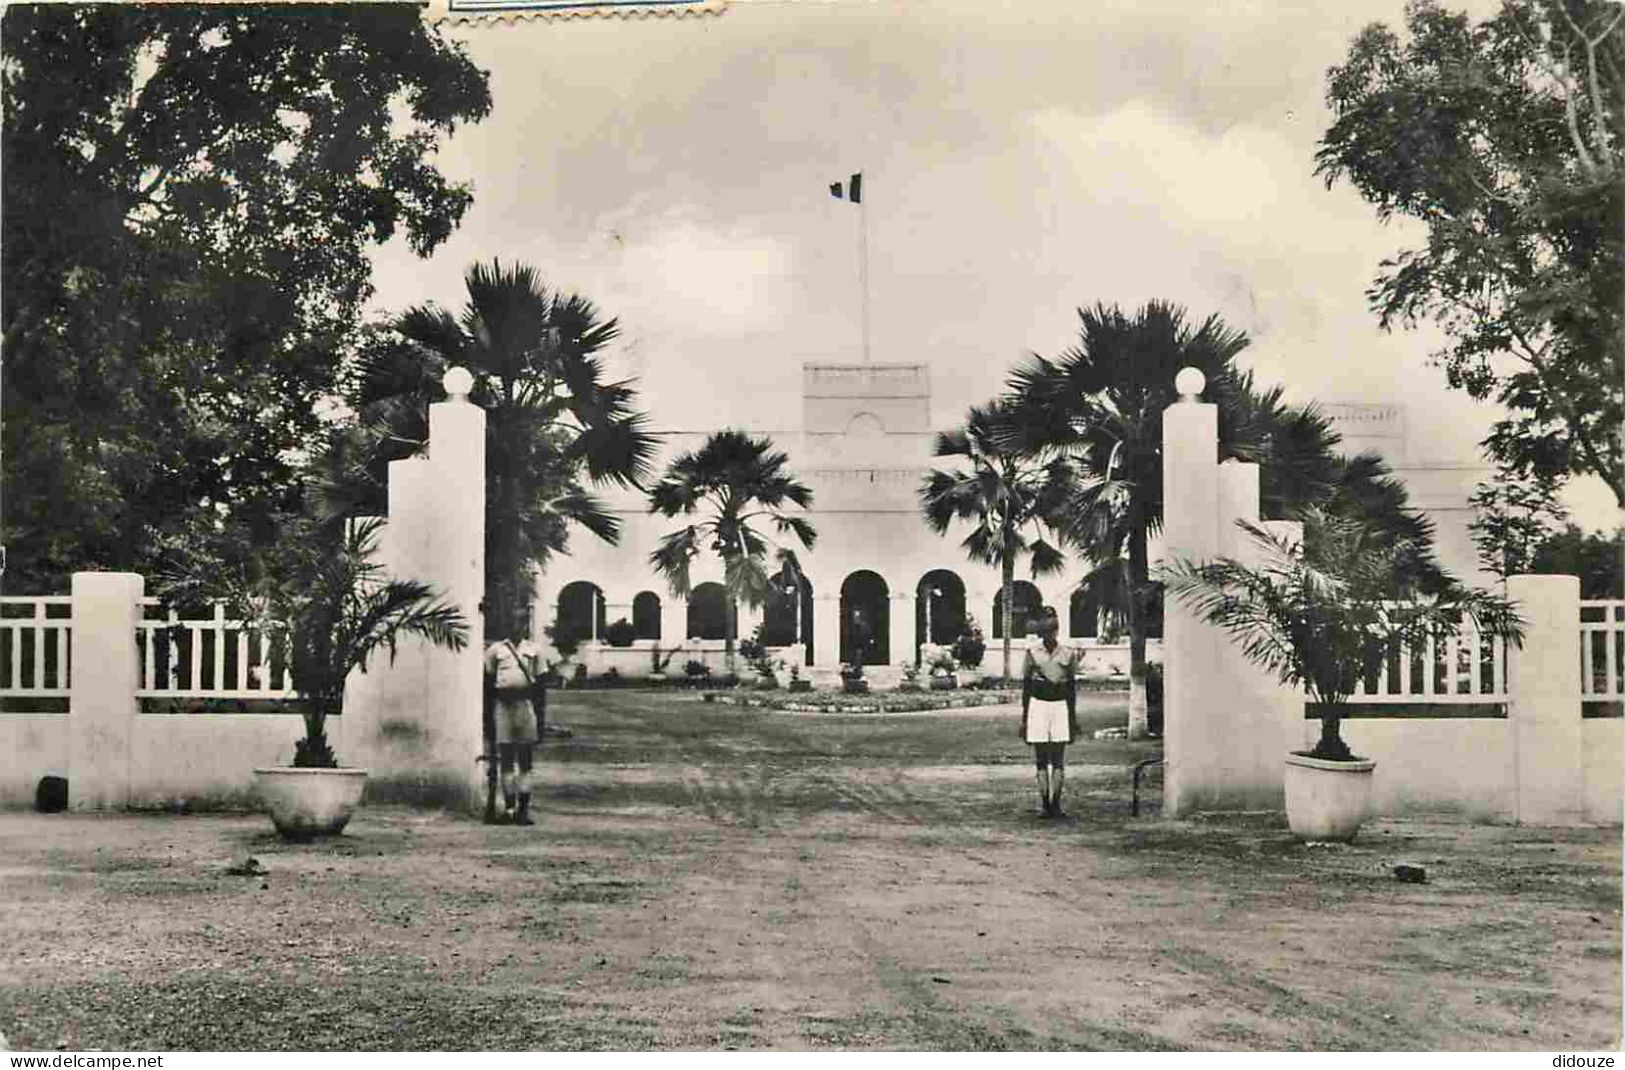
(1327, 800)
(946, 682)
(306, 803)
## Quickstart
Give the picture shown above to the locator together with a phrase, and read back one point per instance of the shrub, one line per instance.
(657, 664)
(970, 647)
(621, 633)
(696, 668)
(611, 676)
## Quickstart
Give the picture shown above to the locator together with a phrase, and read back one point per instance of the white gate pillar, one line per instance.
(1543, 701)
(102, 702)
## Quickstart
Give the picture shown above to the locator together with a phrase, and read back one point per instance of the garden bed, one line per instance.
(873, 702)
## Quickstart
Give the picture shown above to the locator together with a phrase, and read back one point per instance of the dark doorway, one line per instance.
(865, 619)
(1026, 602)
(581, 612)
(646, 615)
(708, 612)
(788, 615)
(939, 609)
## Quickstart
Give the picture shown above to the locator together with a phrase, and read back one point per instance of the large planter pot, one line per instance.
(854, 685)
(944, 682)
(306, 803)
(800, 684)
(1327, 800)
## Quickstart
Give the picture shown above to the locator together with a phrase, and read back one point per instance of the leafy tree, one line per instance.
(554, 424)
(189, 194)
(1598, 559)
(740, 483)
(1506, 138)
(1512, 517)
(1006, 496)
(1096, 411)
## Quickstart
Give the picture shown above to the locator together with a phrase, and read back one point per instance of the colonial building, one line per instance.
(878, 582)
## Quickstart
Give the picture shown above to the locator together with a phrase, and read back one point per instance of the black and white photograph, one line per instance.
(812, 526)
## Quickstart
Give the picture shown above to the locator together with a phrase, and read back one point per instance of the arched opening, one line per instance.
(581, 612)
(1083, 616)
(646, 615)
(787, 616)
(939, 609)
(708, 612)
(1025, 602)
(865, 619)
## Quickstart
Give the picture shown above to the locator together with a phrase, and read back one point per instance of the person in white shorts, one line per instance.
(1049, 707)
(514, 670)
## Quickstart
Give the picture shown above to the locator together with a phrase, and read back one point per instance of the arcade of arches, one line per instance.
(870, 625)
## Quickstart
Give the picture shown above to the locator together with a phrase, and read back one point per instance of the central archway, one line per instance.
(865, 619)
(787, 615)
(939, 608)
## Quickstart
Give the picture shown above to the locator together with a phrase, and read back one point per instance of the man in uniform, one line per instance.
(515, 671)
(1049, 711)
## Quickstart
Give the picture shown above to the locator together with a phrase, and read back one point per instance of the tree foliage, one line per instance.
(738, 485)
(1006, 496)
(189, 196)
(1096, 411)
(1506, 139)
(1321, 612)
(555, 423)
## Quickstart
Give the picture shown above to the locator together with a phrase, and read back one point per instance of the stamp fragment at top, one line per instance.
(480, 11)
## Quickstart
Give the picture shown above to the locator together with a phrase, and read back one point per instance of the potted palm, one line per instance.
(337, 610)
(940, 664)
(1323, 613)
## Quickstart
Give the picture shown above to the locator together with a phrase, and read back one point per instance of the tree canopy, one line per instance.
(189, 196)
(1506, 138)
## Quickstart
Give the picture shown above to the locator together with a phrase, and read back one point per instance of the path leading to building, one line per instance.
(705, 876)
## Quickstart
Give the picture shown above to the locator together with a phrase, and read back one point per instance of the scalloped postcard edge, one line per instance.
(509, 12)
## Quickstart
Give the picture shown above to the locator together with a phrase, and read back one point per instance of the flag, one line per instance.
(853, 190)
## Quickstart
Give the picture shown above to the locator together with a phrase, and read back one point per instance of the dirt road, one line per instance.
(708, 877)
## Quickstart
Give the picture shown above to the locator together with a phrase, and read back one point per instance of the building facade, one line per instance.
(878, 582)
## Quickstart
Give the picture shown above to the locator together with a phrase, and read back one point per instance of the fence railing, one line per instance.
(35, 646)
(1465, 668)
(210, 657)
(1602, 650)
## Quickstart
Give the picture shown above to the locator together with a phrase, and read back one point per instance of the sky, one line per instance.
(1017, 164)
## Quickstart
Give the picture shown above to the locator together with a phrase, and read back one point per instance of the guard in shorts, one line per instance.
(514, 675)
(1049, 707)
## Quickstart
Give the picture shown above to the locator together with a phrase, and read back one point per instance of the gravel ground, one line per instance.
(708, 877)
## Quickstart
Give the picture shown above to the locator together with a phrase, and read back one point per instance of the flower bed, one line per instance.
(876, 702)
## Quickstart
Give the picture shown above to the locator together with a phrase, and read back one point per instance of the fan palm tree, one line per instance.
(1005, 494)
(1098, 408)
(740, 484)
(554, 422)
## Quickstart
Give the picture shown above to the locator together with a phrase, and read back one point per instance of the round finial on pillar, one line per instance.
(1190, 382)
(458, 382)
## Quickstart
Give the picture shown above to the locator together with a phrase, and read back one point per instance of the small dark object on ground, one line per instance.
(941, 980)
(1408, 874)
(556, 730)
(250, 867)
(51, 796)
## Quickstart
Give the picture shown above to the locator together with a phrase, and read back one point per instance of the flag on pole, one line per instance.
(853, 190)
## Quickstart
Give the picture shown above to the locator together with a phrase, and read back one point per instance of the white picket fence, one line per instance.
(1468, 667)
(34, 647)
(217, 658)
(1602, 650)
(209, 658)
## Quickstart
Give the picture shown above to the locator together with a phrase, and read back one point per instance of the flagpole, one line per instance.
(863, 268)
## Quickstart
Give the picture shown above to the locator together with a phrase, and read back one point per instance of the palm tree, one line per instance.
(554, 422)
(741, 483)
(1098, 408)
(1004, 493)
